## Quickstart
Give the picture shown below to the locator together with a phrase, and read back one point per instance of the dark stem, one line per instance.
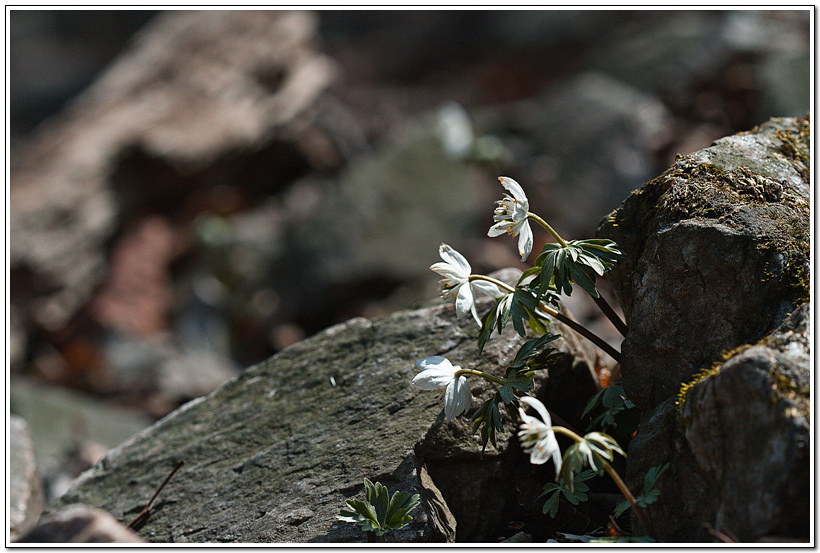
(611, 315)
(595, 339)
(147, 508)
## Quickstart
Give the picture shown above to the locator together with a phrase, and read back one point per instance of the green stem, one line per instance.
(502, 285)
(492, 378)
(543, 223)
(589, 335)
(645, 520)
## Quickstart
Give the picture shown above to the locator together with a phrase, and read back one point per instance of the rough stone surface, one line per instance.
(748, 428)
(272, 455)
(80, 524)
(717, 257)
(25, 499)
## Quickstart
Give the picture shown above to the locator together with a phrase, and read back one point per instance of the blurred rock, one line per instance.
(80, 524)
(136, 297)
(25, 492)
(571, 175)
(198, 95)
(64, 423)
(379, 226)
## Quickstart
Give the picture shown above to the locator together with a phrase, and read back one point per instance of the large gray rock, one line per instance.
(717, 257)
(272, 455)
(747, 424)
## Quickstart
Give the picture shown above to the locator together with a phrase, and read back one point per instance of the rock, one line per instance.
(747, 424)
(199, 93)
(25, 499)
(400, 201)
(63, 422)
(272, 454)
(717, 257)
(80, 524)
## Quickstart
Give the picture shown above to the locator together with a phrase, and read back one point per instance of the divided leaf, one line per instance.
(379, 513)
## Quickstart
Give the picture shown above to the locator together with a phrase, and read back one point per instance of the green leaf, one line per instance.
(529, 272)
(400, 505)
(584, 277)
(487, 419)
(515, 381)
(547, 271)
(574, 496)
(652, 476)
(621, 508)
(388, 513)
(531, 348)
(551, 505)
(382, 503)
(507, 394)
(487, 325)
(593, 402)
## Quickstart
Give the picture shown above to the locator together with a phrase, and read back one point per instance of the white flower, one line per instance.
(537, 438)
(511, 217)
(456, 282)
(438, 373)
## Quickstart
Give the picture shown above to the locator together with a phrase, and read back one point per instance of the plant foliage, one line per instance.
(377, 513)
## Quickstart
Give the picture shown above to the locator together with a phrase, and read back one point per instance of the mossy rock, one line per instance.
(718, 254)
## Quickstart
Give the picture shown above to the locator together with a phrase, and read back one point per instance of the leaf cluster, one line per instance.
(574, 496)
(518, 307)
(377, 513)
(580, 261)
(649, 495)
(618, 410)
(532, 356)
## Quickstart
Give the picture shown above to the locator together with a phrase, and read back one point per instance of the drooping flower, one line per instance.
(511, 217)
(437, 373)
(537, 437)
(457, 284)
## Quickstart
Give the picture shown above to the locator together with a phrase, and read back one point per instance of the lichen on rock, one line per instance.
(717, 258)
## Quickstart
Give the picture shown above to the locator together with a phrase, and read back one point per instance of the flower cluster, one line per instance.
(528, 306)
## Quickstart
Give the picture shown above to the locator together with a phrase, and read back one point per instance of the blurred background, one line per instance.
(192, 192)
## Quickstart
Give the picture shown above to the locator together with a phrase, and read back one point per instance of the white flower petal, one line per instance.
(539, 408)
(487, 288)
(525, 241)
(465, 300)
(514, 188)
(457, 398)
(498, 229)
(454, 258)
(448, 271)
(436, 373)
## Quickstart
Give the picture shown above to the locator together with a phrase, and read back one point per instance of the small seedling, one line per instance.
(377, 513)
